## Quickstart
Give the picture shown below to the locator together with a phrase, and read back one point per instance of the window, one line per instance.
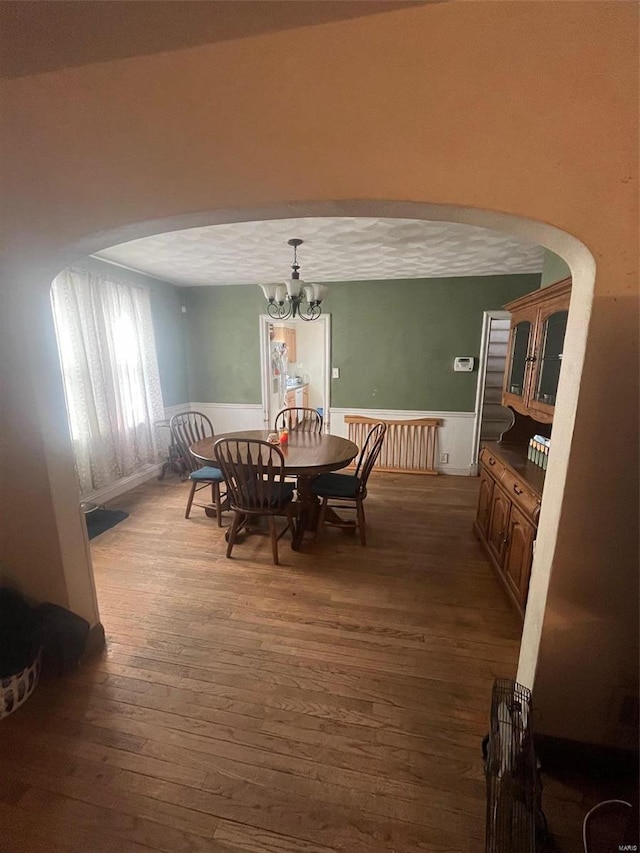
(110, 372)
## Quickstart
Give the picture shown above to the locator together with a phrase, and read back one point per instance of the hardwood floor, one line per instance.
(334, 703)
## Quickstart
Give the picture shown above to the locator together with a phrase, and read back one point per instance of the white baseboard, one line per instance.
(103, 496)
(451, 470)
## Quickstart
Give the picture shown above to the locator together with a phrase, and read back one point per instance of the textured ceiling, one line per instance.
(334, 249)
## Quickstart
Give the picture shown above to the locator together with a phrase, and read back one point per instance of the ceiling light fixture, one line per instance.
(286, 300)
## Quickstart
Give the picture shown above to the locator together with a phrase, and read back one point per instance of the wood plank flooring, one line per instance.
(333, 704)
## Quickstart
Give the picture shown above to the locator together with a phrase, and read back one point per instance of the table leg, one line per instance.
(210, 511)
(308, 511)
(308, 506)
(247, 524)
(332, 517)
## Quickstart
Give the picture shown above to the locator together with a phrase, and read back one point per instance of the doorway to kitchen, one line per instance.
(295, 360)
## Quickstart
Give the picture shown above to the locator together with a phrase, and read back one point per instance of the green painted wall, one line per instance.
(168, 327)
(553, 269)
(394, 341)
(169, 330)
(223, 343)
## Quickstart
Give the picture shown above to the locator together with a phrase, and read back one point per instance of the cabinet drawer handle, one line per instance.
(492, 461)
(516, 489)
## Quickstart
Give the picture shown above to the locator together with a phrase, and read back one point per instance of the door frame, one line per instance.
(265, 365)
(487, 317)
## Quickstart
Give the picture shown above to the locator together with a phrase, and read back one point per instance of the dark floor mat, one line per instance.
(103, 519)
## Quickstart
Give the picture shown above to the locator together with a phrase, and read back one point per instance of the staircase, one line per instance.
(494, 418)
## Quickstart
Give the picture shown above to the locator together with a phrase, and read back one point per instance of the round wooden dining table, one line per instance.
(305, 456)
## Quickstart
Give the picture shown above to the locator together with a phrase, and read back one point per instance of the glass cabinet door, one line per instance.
(519, 354)
(550, 357)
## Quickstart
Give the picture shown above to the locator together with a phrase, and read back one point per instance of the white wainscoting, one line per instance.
(228, 417)
(170, 411)
(455, 435)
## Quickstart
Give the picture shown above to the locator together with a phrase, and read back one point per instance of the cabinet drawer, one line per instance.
(521, 495)
(492, 463)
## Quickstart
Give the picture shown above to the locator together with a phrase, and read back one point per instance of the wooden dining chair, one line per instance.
(299, 420)
(348, 491)
(254, 473)
(186, 429)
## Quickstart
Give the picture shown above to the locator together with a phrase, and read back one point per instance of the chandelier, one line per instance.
(295, 298)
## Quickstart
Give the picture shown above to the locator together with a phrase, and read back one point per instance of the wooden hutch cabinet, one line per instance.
(510, 485)
(538, 325)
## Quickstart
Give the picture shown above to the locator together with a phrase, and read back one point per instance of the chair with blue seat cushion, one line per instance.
(254, 473)
(186, 429)
(352, 488)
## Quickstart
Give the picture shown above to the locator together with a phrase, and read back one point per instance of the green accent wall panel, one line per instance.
(394, 341)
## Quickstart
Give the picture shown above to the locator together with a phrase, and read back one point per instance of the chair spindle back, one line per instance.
(369, 453)
(253, 471)
(299, 420)
(186, 429)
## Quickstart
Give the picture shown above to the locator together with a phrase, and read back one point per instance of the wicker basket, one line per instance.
(16, 689)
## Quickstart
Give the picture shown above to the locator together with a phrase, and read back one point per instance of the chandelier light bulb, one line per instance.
(269, 291)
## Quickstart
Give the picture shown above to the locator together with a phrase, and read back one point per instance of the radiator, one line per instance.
(409, 445)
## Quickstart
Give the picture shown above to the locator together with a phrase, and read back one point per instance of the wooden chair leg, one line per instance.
(190, 499)
(233, 532)
(361, 522)
(215, 492)
(321, 515)
(274, 539)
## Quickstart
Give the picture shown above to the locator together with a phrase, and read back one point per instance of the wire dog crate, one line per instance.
(513, 789)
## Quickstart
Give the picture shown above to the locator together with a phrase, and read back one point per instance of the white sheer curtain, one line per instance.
(112, 385)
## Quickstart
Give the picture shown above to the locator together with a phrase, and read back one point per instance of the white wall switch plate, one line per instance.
(335, 373)
(444, 458)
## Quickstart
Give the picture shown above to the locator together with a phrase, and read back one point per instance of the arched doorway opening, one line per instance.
(582, 266)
